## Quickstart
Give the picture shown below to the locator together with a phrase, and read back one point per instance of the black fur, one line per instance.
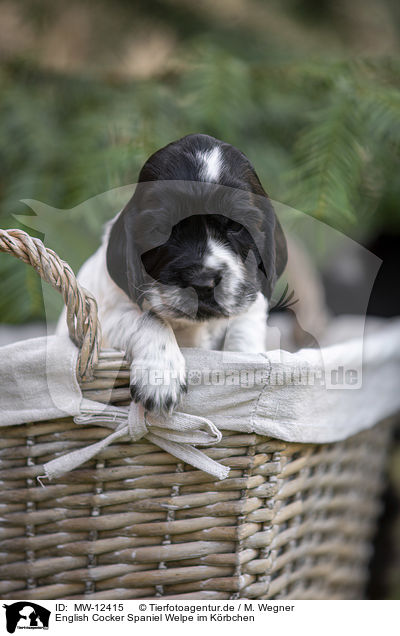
(161, 233)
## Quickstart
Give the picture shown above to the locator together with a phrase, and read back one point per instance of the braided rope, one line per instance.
(83, 326)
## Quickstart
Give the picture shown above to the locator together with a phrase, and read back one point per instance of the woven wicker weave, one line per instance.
(291, 521)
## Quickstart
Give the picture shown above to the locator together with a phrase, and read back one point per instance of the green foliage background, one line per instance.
(320, 122)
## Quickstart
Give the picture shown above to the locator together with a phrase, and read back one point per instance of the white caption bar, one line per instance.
(75, 617)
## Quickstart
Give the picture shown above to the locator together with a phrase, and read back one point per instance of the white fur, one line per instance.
(218, 256)
(210, 164)
(248, 332)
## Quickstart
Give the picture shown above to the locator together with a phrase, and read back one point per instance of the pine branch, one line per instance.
(329, 162)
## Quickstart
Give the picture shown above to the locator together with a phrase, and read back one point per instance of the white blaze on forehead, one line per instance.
(210, 164)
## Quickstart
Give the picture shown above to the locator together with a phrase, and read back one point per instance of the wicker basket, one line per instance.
(292, 521)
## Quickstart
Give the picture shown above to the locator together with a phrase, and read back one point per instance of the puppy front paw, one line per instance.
(158, 385)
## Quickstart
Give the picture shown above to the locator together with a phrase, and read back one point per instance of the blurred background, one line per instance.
(308, 89)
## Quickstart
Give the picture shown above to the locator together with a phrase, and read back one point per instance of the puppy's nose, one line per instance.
(206, 280)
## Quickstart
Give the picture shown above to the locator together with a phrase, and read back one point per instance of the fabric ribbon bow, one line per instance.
(175, 434)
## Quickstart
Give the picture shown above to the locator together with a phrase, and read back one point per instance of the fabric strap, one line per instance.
(175, 434)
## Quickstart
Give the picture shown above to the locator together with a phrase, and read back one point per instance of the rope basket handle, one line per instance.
(83, 326)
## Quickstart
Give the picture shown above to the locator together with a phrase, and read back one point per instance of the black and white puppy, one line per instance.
(190, 261)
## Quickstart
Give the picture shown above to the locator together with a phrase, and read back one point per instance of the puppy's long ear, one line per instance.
(123, 260)
(269, 235)
(281, 253)
(274, 252)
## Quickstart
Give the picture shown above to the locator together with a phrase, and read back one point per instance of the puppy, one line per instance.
(190, 261)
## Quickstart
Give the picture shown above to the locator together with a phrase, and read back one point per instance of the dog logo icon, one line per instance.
(26, 615)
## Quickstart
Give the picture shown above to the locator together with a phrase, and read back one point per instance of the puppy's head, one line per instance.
(199, 238)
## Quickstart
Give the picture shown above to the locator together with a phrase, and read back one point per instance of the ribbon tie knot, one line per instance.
(176, 434)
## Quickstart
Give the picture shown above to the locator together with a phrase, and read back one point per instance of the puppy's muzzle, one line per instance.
(204, 280)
